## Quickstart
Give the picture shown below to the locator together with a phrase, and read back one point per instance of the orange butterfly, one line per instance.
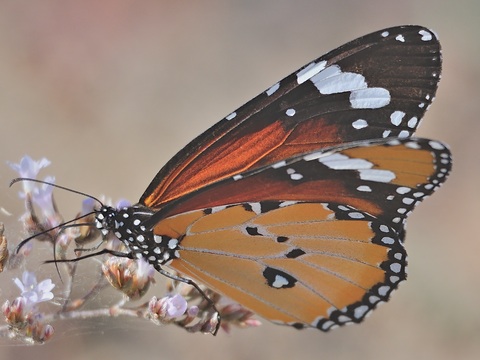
(295, 204)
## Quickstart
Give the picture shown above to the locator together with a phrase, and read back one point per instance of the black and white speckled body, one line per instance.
(126, 225)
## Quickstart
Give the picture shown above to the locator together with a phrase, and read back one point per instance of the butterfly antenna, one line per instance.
(14, 181)
(23, 242)
(62, 225)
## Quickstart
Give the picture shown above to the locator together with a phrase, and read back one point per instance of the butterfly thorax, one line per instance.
(126, 225)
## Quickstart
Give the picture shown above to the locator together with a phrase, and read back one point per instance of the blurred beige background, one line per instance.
(110, 90)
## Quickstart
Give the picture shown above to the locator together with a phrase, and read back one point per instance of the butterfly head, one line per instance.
(127, 225)
(105, 219)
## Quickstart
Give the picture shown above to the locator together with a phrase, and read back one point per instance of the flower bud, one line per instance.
(132, 277)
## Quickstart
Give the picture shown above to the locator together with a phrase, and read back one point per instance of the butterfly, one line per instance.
(295, 204)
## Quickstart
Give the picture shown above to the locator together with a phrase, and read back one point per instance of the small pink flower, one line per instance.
(167, 308)
(176, 306)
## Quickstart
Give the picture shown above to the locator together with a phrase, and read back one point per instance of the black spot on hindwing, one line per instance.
(295, 253)
(253, 231)
(278, 279)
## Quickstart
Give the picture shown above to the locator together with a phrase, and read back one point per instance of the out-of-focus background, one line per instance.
(110, 90)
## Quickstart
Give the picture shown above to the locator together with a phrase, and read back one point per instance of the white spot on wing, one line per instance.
(359, 124)
(394, 279)
(403, 134)
(231, 116)
(332, 81)
(279, 164)
(387, 240)
(426, 36)
(396, 267)
(412, 122)
(314, 156)
(356, 215)
(384, 290)
(400, 38)
(384, 228)
(360, 311)
(256, 208)
(402, 190)
(279, 281)
(309, 71)
(413, 145)
(287, 203)
(216, 209)
(436, 145)
(273, 89)
(172, 243)
(290, 112)
(343, 162)
(364, 188)
(396, 117)
(385, 33)
(377, 175)
(370, 98)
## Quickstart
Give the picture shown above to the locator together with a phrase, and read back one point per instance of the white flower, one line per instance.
(32, 292)
(29, 168)
(42, 197)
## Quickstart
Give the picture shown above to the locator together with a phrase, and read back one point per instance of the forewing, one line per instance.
(376, 86)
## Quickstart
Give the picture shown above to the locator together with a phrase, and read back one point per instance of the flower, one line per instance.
(166, 308)
(29, 168)
(176, 305)
(123, 203)
(42, 196)
(32, 292)
(88, 206)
